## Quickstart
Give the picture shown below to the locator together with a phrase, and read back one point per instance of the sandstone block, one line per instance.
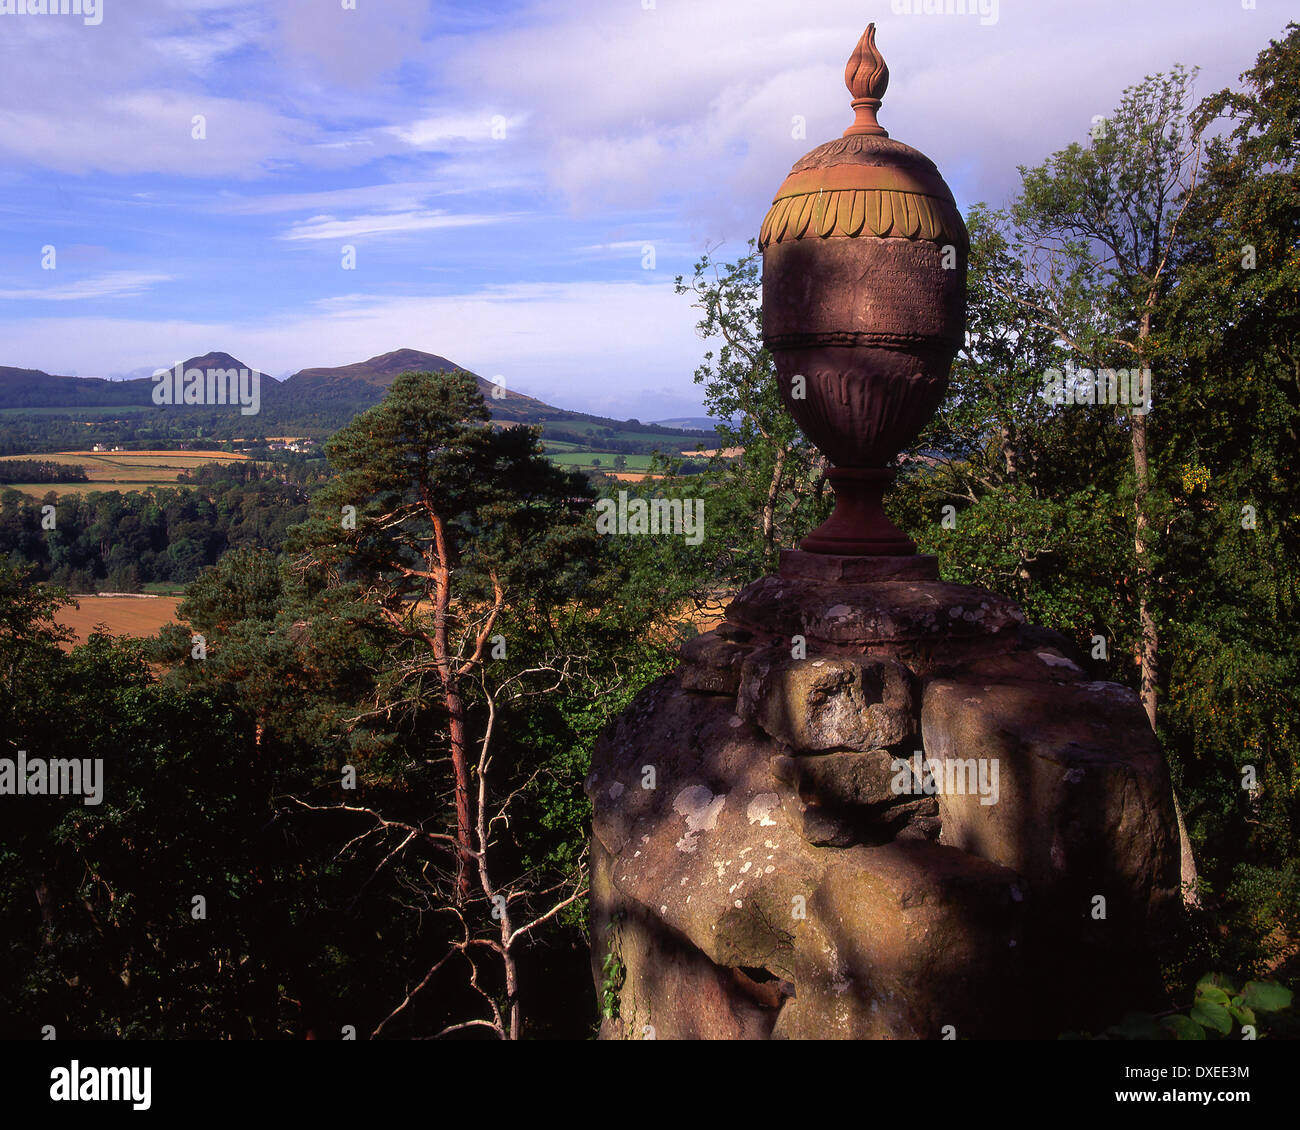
(711, 662)
(873, 613)
(828, 703)
(848, 797)
(1083, 796)
(668, 990)
(905, 939)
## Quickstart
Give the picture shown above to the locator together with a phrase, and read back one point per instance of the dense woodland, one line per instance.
(40, 471)
(366, 752)
(120, 541)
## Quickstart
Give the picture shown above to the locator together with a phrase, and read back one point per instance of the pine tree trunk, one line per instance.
(460, 768)
(437, 561)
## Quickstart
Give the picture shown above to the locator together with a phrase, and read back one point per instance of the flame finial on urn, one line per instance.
(867, 78)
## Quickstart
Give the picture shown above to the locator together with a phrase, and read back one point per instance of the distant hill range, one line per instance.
(696, 423)
(311, 400)
(366, 381)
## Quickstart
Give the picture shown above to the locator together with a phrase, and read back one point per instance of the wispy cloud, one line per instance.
(442, 130)
(634, 248)
(394, 197)
(386, 224)
(115, 284)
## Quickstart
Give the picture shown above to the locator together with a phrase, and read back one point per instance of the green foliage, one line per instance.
(95, 910)
(1217, 1011)
(121, 541)
(40, 471)
(225, 771)
(613, 974)
(1217, 1006)
(1267, 915)
(1231, 434)
(779, 477)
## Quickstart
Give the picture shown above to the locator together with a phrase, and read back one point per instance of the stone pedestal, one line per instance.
(796, 563)
(869, 808)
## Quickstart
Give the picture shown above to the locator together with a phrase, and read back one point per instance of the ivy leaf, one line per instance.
(1265, 996)
(1241, 1015)
(1212, 1015)
(1216, 981)
(1183, 1027)
(1212, 993)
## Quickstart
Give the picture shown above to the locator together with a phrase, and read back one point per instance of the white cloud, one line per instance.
(692, 103)
(386, 224)
(115, 284)
(146, 131)
(442, 130)
(391, 197)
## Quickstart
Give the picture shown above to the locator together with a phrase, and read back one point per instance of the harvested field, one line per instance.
(122, 470)
(123, 615)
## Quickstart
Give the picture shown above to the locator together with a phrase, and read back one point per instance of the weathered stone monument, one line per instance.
(872, 804)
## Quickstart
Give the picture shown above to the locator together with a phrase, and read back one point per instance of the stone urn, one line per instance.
(882, 806)
(864, 296)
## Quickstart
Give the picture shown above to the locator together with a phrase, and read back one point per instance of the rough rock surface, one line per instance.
(822, 704)
(878, 810)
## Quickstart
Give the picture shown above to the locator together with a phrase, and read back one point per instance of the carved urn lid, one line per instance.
(864, 183)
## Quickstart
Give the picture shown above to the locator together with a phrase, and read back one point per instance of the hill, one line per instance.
(33, 388)
(689, 423)
(378, 371)
(364, 383)
(62, 411)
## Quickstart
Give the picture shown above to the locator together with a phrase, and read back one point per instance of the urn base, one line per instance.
(858, 526)
(857, 569)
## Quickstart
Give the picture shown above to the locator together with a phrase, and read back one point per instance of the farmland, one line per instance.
(123, 470)
(588, 458)
(121, 615)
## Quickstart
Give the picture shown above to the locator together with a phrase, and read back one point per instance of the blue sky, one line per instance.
(497, 167)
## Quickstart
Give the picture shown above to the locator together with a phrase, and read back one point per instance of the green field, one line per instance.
(597, 431)
(40, 490)
(584, 458)
(163, 588)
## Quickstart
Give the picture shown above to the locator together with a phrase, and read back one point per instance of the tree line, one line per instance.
(120, 542)
(40, 471)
